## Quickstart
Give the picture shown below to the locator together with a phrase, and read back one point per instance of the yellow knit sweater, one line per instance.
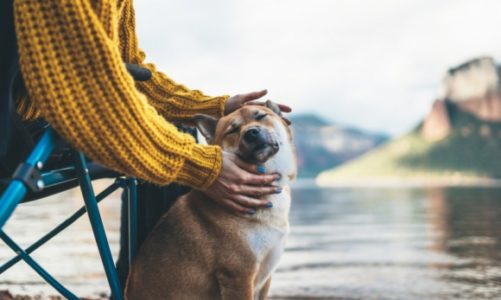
(72, 55)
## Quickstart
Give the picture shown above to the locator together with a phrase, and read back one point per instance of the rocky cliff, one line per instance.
(458, 141)
(474, 87)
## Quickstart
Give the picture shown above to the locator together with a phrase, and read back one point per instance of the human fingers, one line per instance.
(251, 190)
(235, 206)
(253, 179)
(251, 168)
(283, 107)
(253, 95)
(251, 203)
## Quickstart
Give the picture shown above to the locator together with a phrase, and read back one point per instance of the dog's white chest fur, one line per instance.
(267, 244)
(267, 237)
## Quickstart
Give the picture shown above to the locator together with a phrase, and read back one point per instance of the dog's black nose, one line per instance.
(252, 135)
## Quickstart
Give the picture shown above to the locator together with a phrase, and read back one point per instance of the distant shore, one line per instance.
(408, 182)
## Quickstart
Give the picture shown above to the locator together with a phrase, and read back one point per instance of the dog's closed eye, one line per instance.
(261, 116)
(233, 129)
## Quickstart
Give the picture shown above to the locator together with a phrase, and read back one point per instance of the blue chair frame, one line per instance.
(78, 174)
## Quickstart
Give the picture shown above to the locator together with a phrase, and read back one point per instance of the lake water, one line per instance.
(346, 243)
(392, 243)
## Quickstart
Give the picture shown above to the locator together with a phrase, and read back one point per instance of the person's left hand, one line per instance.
(235, 102)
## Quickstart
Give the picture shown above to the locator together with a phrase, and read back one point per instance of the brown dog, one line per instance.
(200, 250)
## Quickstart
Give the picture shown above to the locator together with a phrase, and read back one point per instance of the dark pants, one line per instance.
(152, 202)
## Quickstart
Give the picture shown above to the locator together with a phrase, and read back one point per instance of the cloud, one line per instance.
(375, 64)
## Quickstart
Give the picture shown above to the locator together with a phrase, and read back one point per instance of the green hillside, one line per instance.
(471, 150)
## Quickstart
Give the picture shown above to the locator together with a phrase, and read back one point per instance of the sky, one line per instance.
(372, 64)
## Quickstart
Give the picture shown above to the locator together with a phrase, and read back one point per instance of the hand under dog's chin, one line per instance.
(260, 155)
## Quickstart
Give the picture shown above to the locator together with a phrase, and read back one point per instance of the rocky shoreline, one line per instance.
(410, 182)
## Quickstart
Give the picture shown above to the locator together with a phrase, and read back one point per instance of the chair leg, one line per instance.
(132, 216)
(16, 190)
(37, 268)
(97, 225)
(105, 193)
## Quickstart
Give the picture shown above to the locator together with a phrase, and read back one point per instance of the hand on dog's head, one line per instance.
(249, 132)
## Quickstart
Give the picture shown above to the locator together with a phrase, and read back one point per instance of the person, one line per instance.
(71, 58)
(72, 55)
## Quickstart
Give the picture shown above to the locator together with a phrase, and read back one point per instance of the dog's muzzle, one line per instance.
(257, 145)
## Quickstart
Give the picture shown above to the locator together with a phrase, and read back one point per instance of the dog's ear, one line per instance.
(274, 107)
(207, 126)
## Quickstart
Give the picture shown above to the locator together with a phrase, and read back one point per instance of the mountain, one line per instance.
(321, 145)
(459, 140)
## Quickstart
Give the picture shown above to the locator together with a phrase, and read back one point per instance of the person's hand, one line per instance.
(235, 102)
(240, 185)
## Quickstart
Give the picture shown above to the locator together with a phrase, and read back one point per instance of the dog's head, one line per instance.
(254, 132)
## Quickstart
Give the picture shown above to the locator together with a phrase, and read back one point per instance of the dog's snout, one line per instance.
(257, 144)
(252, 135)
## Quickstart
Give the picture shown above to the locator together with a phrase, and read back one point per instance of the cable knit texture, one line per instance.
(72, 55)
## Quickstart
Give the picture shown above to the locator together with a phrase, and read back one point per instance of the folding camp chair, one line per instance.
(32, 181)
(49, 166)
(41, 175)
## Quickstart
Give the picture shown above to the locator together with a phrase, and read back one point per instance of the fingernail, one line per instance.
(278, 190)
(279, 176)
(251, 212)
(269, 205)
(261, 169)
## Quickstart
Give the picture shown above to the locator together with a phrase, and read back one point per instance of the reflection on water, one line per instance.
(393, 243)
(386, 243)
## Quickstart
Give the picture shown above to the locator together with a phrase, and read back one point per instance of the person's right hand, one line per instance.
(240, 185)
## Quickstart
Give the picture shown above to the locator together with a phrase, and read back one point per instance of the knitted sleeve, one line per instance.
(172, 100)
(75, 76)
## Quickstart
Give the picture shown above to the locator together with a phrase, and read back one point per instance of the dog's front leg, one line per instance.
(235, 287)
(263, 293)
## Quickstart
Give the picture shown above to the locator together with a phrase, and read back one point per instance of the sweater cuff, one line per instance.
(202, 167)
(222, 102)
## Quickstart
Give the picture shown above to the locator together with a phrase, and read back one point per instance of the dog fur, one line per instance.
(199, 249)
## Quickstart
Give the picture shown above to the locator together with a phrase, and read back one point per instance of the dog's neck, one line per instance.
(284, 162)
